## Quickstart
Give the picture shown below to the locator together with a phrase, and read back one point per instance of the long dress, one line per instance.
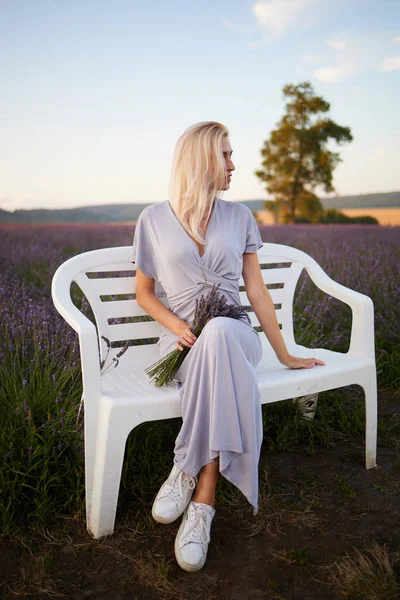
(221, 409)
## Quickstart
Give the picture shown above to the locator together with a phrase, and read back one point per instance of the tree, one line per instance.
(309, 207)
(273, 208)
(295, 158)
(332, 215)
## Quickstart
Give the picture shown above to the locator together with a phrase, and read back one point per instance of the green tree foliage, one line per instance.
(331, 215)
(295, 157)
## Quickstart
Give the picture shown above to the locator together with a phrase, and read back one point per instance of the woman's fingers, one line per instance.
(318, 361)
(181, 345)
(311, 362)
(189, 335)
(187, 339)
(295, 362)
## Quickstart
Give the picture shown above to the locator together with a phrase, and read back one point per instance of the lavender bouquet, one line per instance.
(206, 307)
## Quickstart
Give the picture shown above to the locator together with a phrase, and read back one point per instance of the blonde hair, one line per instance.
(197, 174)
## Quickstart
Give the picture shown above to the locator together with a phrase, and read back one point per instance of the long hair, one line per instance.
(197, 174)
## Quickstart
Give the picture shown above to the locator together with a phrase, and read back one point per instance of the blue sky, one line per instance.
(94, 94)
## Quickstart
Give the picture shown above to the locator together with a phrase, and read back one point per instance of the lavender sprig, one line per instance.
(207, 307)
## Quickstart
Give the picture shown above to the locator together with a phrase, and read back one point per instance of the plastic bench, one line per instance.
(122, 398)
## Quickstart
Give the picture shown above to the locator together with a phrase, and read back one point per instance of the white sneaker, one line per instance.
(174, 496)
(193, 537)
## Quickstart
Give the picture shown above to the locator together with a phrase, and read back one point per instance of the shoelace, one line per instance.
(175, 486)
(199, 521)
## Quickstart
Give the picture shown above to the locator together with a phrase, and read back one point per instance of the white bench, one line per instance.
(117, 401)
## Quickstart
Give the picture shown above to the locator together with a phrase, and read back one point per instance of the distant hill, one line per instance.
(117, 213)
(384, 200)
(106, 213)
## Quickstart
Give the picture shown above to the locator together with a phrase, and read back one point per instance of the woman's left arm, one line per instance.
(263, 306)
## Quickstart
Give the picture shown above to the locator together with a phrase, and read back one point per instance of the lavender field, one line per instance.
(42, 477)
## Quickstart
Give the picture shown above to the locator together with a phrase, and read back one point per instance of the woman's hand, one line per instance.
(187, 337)
(293, 362)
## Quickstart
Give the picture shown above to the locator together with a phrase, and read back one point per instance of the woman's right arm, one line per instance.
(147, 299)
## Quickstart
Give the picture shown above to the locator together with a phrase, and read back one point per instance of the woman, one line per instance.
(180, 247)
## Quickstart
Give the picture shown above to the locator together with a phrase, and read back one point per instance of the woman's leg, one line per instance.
(207, 481)
(221, 409)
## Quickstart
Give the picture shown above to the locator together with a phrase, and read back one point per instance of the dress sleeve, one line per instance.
(253, 237)
(143, 250)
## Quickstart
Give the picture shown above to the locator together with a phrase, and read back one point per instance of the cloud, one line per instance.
(241, 28)
(390, 63)
(276, 17)
(397, 38)
(349, 53)
(337, 44)
(332, 74)
(307, 58)
(337, 63)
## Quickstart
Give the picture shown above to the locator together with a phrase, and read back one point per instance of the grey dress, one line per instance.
(221, 407)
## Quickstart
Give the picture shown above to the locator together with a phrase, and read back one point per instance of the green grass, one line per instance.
(41, 444)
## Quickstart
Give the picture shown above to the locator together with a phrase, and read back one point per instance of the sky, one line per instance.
(95, 93)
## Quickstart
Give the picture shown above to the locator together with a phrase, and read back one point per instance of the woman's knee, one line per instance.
(217, 324)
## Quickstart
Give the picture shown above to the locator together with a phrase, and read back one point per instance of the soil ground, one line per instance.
(317, 513)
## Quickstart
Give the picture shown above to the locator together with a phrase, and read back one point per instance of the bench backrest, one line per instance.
(107, 278)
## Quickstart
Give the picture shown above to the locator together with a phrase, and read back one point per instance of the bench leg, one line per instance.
(371, 420)
(109, 455)
(306, 405)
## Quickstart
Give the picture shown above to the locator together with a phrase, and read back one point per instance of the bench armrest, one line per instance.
(88, 341)
(362, 340)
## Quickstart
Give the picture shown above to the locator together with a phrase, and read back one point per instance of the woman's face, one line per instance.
(229, 166)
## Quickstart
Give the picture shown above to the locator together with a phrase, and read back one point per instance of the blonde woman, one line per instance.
(181, 247)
